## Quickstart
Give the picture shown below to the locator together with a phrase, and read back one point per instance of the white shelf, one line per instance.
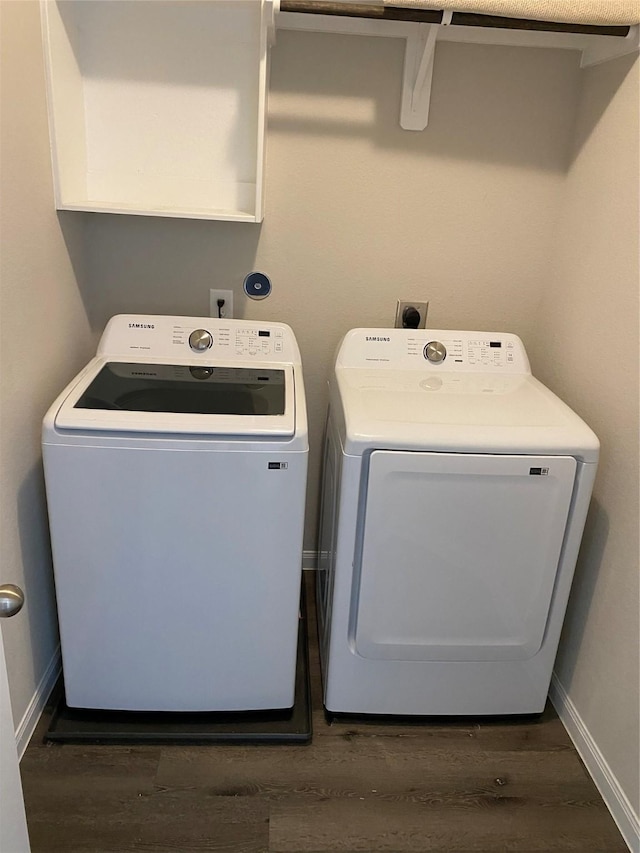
(421, 41)
(158, 107)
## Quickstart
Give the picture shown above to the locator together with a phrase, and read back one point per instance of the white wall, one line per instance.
(587, 351)
(45, 338)
(360, 213)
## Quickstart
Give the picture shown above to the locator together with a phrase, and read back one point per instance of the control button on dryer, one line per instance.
(200, 340)
(435, 352)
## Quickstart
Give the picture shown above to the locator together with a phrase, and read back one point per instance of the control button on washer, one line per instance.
(435, 352)
(200, 340)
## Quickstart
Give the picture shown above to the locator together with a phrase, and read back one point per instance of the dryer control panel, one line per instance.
(198, 339)
(443, 350)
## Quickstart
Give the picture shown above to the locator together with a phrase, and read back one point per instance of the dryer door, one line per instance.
(459, 555)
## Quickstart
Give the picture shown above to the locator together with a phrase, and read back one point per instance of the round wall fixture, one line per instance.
(257, 285)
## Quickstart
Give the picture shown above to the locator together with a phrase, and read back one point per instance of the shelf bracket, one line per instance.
(270, 9)
(418, 73)
(604, 49)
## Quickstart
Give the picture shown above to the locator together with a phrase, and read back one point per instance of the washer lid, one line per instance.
(125, 396)
(459, 412)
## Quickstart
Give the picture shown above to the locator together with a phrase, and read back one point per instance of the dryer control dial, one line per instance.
(435, 352)
(200, 340)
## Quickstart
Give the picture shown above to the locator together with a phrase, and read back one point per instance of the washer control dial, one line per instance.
(200, 340)
(435, 352)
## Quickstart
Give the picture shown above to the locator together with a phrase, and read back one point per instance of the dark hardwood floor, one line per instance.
(449, 788)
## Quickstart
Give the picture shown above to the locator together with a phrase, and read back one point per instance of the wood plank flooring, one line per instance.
(452, 788)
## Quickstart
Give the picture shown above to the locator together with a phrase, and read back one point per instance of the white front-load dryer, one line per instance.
(175, 467)
(455, 491)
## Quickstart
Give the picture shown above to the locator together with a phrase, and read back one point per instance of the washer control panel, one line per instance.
(251, 341)
(439, 349)
(245, 341)
(206, 339)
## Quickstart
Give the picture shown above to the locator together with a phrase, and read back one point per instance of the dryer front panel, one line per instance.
(459, 554)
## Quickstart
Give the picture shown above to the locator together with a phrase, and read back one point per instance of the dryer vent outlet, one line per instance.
(411, 314)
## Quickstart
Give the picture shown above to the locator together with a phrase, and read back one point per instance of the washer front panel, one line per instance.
(177, 575)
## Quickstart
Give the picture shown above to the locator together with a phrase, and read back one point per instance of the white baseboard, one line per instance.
(614, 797)
(31, 716)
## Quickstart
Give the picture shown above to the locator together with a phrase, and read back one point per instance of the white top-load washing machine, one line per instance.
(455, 491)
(175, 467)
